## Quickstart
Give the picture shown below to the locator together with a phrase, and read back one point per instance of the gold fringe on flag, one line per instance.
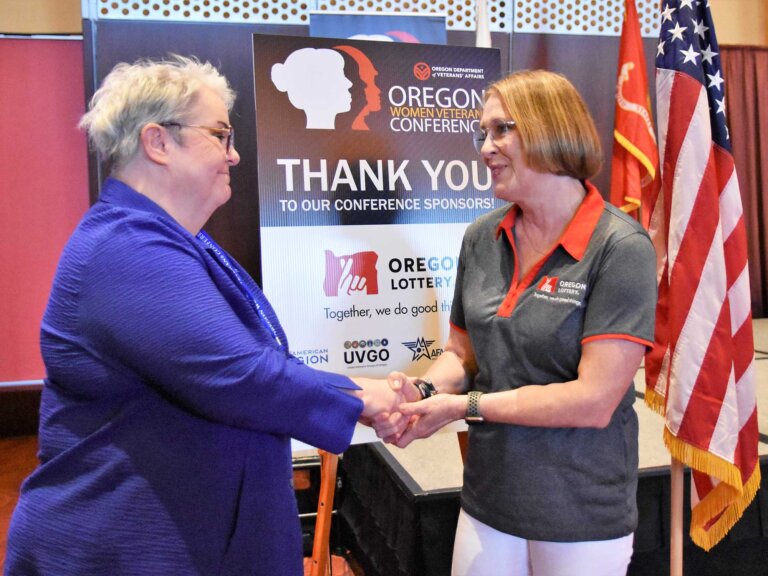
(655, 401)
(718, 511)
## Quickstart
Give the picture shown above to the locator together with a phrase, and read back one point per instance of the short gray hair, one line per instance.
(133, 95)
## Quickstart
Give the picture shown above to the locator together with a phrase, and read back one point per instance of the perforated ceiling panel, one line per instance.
(270, 12)
(595, 17)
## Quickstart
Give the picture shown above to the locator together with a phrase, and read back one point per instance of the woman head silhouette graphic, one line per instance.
(367, 73)
(315, 82)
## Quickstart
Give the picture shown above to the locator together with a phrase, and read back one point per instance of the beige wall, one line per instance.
(743, 22)
(40, 17)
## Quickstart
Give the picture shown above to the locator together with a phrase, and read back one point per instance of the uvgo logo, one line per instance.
(367, 353)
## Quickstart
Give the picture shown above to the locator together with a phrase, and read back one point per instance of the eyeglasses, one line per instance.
(497, 131)
(224, 135)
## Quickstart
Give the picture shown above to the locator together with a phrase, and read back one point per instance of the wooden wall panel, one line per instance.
(40, 17)
(740, 22)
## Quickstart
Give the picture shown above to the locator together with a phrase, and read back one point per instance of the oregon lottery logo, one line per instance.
(351, 274)
(315, 82)
(561, 290)
(548, 284)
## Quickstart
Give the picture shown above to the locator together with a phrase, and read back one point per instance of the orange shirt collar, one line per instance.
(576, 236)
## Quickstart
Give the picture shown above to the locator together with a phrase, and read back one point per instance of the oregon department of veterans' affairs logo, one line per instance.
(315, 82)
(366, 352)
(422, 348)
(351, 274)
(422, 71)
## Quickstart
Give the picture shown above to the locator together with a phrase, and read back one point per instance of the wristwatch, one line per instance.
(472, 415)
(426, 388)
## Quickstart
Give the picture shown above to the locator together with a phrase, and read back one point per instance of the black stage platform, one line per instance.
(394, 528)
(398, 508)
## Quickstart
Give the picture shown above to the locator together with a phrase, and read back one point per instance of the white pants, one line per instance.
(480, 550)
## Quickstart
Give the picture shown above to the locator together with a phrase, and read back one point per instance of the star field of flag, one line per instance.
(687, 44)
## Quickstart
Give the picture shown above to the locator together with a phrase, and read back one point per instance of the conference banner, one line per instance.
(367, 180)
(385, 27)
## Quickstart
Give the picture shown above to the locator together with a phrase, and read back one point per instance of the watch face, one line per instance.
(425, 387)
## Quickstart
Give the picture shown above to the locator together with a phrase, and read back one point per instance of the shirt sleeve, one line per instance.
(622, 302)
(151, 306)
(457, 307)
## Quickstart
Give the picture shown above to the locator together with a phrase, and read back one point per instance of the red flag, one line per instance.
(700, 373)
(635, 155)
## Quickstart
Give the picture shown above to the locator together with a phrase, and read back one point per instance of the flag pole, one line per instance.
(676, 519)
(482, 30)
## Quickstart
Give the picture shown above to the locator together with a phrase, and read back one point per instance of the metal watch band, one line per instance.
(473, 408)
(426, 388)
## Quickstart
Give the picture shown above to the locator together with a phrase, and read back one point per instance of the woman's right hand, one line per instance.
(417, 418)
(426, 417)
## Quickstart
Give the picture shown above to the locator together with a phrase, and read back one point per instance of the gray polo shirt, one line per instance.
(553, 484)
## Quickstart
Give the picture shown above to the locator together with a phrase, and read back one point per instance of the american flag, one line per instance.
(700, 373)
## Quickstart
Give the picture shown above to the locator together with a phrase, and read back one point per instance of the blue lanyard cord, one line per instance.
(250, 296)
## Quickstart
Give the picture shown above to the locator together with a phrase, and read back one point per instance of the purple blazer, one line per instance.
(167, 411)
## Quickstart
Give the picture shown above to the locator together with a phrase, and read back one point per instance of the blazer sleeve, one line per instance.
(151, 304)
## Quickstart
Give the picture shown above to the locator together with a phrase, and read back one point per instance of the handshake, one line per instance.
(398, 411)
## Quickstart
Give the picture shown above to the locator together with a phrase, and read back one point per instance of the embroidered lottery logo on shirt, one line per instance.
(548, 284)
(553, 289)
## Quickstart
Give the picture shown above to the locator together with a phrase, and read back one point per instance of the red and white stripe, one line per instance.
(702, 364)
